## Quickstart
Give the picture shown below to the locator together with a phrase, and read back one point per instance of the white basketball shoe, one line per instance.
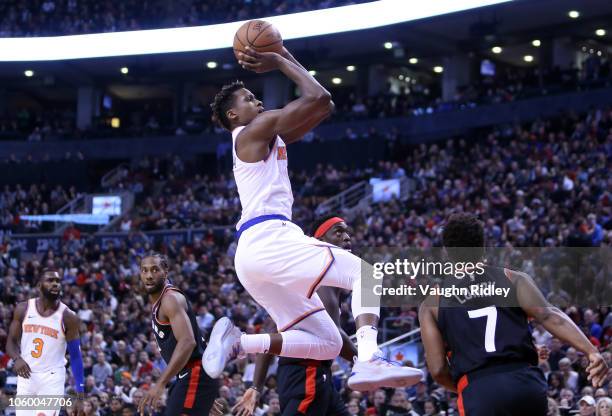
(223, 347)
(379, 372)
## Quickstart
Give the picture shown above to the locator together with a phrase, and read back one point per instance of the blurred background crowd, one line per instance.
(502, 111)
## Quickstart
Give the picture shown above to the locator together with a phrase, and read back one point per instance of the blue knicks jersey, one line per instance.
(479, 332)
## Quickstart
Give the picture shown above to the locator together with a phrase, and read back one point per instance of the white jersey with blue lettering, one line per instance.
(264, 187)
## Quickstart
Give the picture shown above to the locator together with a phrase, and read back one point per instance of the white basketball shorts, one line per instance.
(282, 268)
(50, 383)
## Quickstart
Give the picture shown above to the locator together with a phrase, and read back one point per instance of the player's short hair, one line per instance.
(320, 221)
(163, 259)
(49, 269)
(223, 101)
(465, 231)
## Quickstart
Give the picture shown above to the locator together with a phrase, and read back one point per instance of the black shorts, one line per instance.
(193, 392)
(306, 388)
(507, 390)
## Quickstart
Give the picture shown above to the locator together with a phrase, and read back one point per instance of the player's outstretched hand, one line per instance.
(259, 61)
(22, 368)
(151, 398)
(246, 405)
(597, 370)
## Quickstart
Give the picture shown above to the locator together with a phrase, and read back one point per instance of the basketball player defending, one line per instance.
(180, 343)
(276, 263)
(305, 386)
(40, 331)
(493, 361)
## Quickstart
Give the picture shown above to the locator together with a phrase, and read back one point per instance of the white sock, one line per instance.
(255, 343)
(367, 344)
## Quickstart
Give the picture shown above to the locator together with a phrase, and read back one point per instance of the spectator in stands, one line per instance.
(604, 406)
(101, 370)
(587, 406)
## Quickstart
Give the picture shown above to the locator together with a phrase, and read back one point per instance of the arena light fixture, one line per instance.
(413, 60)
(28, 73)
(573, 14)
(211, 64)
(528, 58)
(388, 45)
(336, 81)
(496, 49)
(125, 70)
(200, 38)
(438, 69)
(350, 68)
(536, 42)
(312, 72)
(600, 32)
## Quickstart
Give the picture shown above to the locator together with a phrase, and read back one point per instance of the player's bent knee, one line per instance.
(333, 345)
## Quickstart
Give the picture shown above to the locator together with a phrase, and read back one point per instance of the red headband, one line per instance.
(323, 228)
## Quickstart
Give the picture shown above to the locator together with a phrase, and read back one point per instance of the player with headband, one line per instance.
(305, 385)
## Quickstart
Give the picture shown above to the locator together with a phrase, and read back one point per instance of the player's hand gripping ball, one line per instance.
(260, 36)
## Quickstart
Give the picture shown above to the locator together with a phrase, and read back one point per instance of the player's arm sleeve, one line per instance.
(435, 352)
(552, 318)
(73, 338)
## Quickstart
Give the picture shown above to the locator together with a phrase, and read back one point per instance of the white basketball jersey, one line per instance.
(43, 340)
(264, 187)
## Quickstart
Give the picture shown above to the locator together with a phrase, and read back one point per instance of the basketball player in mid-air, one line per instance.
(493, 361)
(41, 330)
(276, 263)
(305, 386)
(180, 343)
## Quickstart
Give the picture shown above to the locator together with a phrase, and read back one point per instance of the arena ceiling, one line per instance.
(512, 25)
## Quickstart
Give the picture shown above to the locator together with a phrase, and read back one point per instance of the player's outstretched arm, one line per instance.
(557, 323)
(435, 353)
(14, 338)
(73, 340)
(297, 117)
(174, 307)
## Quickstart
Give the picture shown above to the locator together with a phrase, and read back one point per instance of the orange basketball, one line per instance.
(259, 35)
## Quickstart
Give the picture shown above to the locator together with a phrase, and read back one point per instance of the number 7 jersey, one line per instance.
(481, 332)
(43, 339)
